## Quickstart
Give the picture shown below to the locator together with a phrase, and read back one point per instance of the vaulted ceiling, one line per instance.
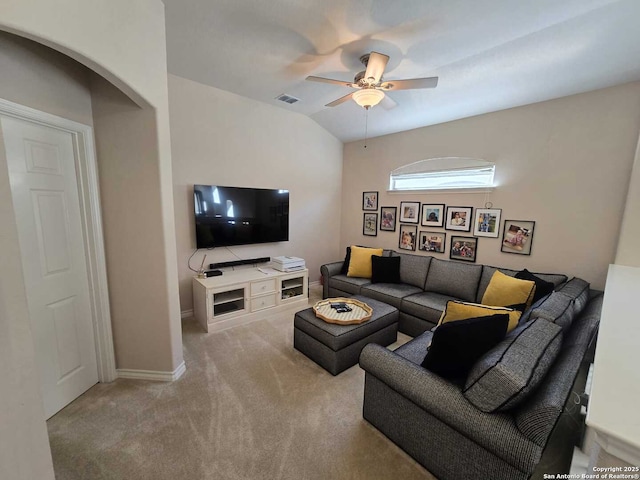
(488, 54)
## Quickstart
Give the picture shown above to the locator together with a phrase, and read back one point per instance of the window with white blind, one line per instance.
(443, 173)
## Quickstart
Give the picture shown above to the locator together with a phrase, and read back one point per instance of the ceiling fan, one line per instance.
(370, 85)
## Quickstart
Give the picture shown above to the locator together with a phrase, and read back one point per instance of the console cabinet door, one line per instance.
(228, 301)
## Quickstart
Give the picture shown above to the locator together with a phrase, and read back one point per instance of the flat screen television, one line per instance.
(228, 216)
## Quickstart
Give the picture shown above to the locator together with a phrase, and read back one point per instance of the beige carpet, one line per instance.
(248, 407)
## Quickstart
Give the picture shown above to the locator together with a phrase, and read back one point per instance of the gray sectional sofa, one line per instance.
(427, 284)
(514, 416)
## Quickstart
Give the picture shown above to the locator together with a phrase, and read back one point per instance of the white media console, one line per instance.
(243, 296)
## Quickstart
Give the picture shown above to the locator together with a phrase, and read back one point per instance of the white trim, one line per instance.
(617, 447)
(152, 374)
(314, 284)
(89, 195)
(443, 173)
(186, 314)
(441, 191)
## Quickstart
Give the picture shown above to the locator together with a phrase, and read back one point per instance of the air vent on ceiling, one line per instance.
(287, 98)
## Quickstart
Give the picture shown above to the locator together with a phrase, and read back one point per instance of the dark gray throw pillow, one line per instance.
(385, 269)
(543, 288)
(457, 345)
(345, 264)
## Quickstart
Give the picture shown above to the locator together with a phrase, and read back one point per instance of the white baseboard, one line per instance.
(313, 284)
(186, 314)
(152, 374)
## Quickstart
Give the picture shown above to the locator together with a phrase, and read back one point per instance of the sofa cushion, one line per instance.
(543, 288)
(385, 269)
(557, 308)
(459, 280)
(456, 346)
(565, 304)
(426, 305)
(414, 350)
(506, 291)
(536, 417)
(488, 271)
(360, 261)
(413, 269)
(391, 293)
(456, 311)
(562, 306)
(510, 371)
(577, 289)
(351, 285)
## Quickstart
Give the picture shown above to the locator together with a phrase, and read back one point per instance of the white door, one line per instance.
(44, 188)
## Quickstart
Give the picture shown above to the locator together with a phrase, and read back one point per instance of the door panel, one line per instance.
(44, 189)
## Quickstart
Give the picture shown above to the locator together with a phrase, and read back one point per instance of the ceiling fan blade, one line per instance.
(330, 80)
(346, 98)
(430, 82)
(388, 103)
(375, 67)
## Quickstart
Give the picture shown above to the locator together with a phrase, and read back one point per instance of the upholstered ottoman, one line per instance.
(337, 347)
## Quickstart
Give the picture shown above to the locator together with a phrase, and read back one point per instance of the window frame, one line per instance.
(441, 170)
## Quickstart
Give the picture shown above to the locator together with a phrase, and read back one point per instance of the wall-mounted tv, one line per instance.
(228, 216)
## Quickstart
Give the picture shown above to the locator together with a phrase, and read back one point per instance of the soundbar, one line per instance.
(235, 263)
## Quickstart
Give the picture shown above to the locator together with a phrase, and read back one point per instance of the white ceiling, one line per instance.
(488, 54)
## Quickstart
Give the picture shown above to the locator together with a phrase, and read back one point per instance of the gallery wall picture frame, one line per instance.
(409, 212)
(432, 215)
(463, 248)
(517, 236)
(459, 218)
(370, 224)
(408, 237)
(388, 216)
(487, 222)
(433, 242)
(370, 201)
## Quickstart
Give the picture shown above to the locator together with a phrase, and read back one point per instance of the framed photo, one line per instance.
(463, 248)
(370, 201)
(432, 241)
(388, 218)
(409, 212)
(407, 239)
(370, 224)
(487, 222)
(459, 218)
(517, 236)
(432, 215)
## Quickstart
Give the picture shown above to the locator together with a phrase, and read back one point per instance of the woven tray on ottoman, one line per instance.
(337, 347)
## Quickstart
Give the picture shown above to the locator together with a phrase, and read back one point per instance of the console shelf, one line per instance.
(243, 296)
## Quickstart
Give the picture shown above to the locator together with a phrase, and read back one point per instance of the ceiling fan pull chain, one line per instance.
(366, 126)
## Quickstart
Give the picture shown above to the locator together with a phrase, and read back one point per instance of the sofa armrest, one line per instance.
(327, 271)
(495, 432)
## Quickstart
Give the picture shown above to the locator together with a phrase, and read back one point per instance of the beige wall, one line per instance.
(44, 79)
(221, 138)
(563, 163)
(125, 42)
(34, 76)
(628, 252)
(126, 145)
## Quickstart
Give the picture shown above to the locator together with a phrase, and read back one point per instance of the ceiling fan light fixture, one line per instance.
(368, 97)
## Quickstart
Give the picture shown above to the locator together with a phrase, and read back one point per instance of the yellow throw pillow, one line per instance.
(360, 263)
(456, 310)
(506, 291)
